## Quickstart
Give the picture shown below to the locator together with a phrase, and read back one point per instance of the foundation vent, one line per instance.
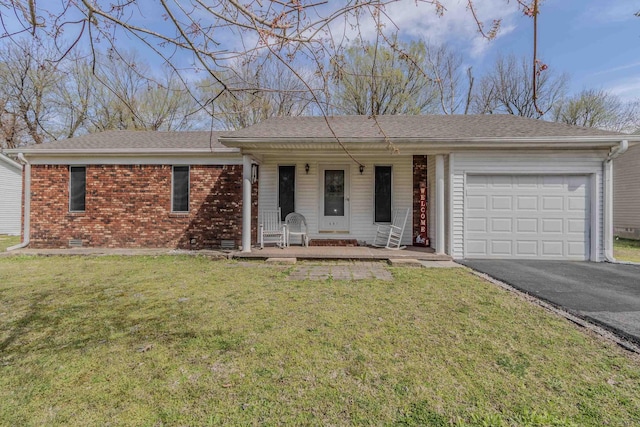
(75, 243)
(227, 244)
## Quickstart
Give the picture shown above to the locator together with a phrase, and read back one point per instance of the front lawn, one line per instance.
(189, 341)
(7, 241)
(626, 250)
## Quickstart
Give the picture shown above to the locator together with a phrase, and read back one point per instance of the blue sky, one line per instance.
(596, 41)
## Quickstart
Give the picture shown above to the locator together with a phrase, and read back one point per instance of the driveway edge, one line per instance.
(597, 328)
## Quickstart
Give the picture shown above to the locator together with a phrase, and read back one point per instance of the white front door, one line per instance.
(334, 199)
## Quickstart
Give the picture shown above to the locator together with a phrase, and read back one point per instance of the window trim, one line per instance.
(71, 189)
(173, 186)
(390, 198)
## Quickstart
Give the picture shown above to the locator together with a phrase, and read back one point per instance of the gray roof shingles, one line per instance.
(412, 127)
(429, 127)
(137, 140)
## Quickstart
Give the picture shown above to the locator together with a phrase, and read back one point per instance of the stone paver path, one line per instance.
(341, 271)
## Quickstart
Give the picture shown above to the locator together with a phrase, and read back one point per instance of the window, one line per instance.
(77, 188)
(180, 190)
(382, 195)
(286, 190)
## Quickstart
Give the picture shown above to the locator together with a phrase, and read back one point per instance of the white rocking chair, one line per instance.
(390, 235)
(270, 226)
(296, 225)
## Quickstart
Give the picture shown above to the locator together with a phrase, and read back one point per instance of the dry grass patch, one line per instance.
(188, 341)
(7, 241)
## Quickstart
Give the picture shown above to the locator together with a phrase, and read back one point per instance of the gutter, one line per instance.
(607, 166)
(27, 204)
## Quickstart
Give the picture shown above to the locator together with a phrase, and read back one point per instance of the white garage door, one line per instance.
(527, 217)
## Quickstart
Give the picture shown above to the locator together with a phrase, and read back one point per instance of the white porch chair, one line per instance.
(296, 225)
(270, 226)
(390, 235)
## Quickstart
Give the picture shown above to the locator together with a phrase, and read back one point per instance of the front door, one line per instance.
(334, 199)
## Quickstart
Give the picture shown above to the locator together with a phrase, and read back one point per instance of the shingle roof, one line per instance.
(124, 140)
(411, 127)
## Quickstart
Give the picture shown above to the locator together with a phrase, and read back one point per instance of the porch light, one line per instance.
(361, 169)
(306, 168)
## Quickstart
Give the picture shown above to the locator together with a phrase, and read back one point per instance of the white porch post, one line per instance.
(440, 211)
(246, 203)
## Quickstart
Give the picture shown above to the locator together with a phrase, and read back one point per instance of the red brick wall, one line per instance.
(130, 206)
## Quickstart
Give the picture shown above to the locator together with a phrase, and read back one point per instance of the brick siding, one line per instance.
(130, 206)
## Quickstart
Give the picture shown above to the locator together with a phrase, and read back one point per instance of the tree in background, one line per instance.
(507, 88)
(127, 95)
(373, 80)
(262, 90)
(444, 68)
(598, 109)
(28, 79)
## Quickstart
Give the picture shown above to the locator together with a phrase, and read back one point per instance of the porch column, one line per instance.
(246, 203)
(440, 232)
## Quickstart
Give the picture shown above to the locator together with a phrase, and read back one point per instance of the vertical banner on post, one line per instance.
(421, 237)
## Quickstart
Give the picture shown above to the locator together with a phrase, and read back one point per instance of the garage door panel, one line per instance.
(477, 225)
(552, 203)
(501, 181)
(577, 226)
(527, 225)
(501, 203)
(577, 203)
(502, 247)
(552, 225)
(553, 182)
(576, 249)
(477, 203)
(552, 248)
(476, 247)
(501, 225)
(526, 248)
(527, 203)
(528, 216)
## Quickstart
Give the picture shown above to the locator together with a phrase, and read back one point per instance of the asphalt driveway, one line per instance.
(604, 293)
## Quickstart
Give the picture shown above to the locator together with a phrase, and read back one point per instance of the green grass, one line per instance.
(626, 250)
(6, 241)
(188, 341)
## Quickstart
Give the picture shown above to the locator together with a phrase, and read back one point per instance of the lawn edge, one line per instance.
(597, 329)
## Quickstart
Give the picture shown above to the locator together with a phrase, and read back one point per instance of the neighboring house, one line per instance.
(498, 186)
(10, 196)
(626, 195)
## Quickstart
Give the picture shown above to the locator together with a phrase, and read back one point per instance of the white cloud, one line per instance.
(627, 89)
(457, 25)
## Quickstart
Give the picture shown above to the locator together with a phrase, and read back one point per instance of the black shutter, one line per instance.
(383, 194)
(286, 190)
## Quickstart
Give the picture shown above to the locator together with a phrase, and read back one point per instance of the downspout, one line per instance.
(27, 204)
(608, 198)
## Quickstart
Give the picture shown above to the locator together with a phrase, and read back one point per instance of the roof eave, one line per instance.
(577, 142)
(123, 153)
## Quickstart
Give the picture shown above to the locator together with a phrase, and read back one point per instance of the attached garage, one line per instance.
(513, 204)
(527, 217)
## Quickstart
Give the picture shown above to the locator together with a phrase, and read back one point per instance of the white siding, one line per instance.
(308, 190)
(520, 162)
(10, 198)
